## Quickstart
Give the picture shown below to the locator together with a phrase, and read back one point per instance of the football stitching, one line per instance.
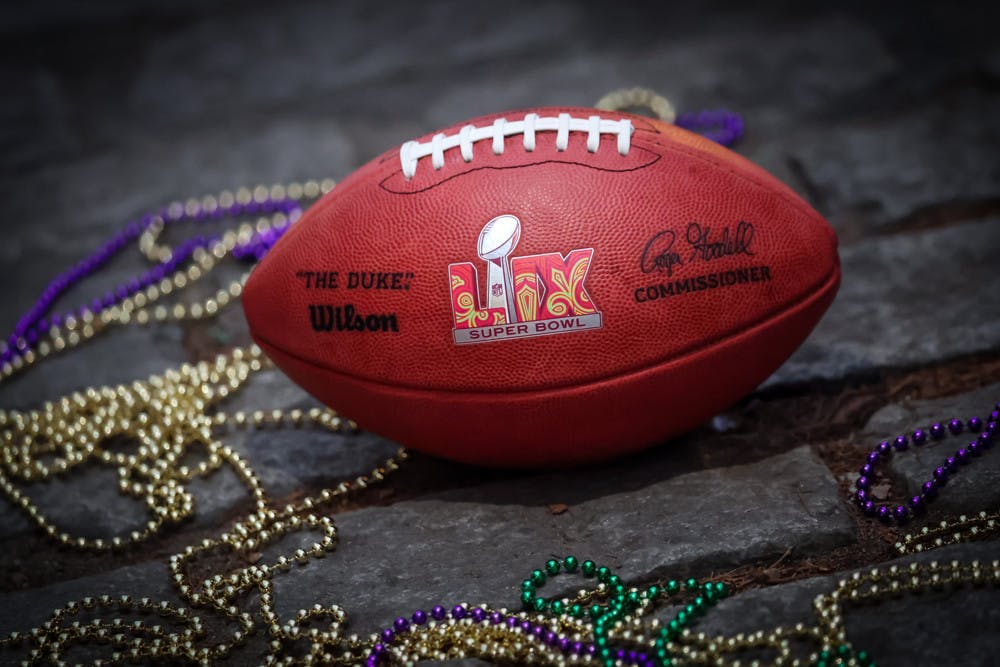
(644, 127)
(411, 152)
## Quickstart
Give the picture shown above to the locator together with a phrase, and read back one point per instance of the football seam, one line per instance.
(382, 183)
(829, 280)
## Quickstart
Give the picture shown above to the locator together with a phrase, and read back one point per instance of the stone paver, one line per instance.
(906, 300)
(878, 172)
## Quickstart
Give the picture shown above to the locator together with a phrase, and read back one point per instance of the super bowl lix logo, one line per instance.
(536, 295)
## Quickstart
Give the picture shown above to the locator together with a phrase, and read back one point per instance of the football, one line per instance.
(544, 287)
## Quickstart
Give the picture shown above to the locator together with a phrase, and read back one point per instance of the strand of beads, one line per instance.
(466, 631)
(166, 415)
(33, 324)
(129, 642)
(706, 596)
(700, 649)
(623, 603)
(140, 308)
(169, 415)
(603, 616)
(37, 336)
(721, 126)
(878, 585)
(938, 431)
(951, 531)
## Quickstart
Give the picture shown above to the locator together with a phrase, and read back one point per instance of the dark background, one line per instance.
(885, 116)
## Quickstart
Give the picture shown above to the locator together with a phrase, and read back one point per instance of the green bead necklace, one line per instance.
(623, 602)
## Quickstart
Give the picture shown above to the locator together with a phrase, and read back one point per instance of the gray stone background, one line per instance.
(882, 115)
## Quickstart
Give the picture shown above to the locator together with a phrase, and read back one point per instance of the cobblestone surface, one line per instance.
(878, 115)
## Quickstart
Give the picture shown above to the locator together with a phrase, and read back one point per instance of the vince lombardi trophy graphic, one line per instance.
(496, 242)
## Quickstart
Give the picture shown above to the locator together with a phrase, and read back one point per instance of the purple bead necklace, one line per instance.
(983, 435)
(34, 324)
(510, 622)
(721, 126)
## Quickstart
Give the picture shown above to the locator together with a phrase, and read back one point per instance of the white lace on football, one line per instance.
(411, 152)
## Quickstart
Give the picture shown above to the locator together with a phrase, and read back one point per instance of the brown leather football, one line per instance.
(544, 287)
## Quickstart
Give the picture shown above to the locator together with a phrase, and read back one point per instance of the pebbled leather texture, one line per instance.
(673, 347)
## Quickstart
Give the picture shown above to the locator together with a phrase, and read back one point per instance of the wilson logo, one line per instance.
(534, 295)
(346, 318)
